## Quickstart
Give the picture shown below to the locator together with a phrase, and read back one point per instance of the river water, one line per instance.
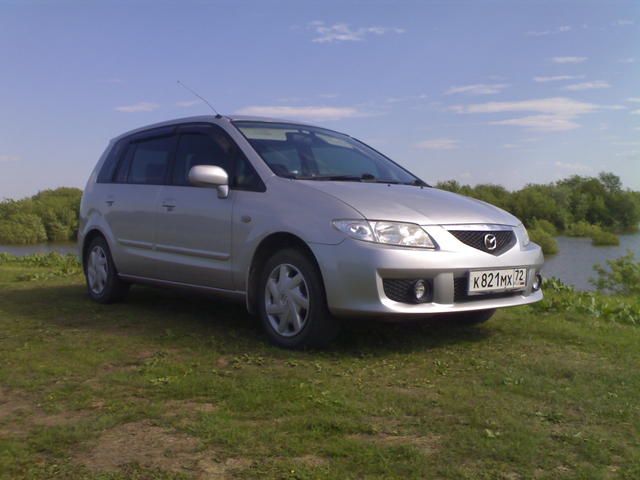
(573, 264)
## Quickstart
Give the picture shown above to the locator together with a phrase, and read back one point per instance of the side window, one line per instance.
(110, 163)
(201, 149)
(125, 160)
(245, 177)
(150, 161)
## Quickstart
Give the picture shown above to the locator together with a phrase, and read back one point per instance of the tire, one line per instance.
(475, 317)
(292, 303)
(103, 283)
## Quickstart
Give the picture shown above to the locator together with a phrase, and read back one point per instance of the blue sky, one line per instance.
(483, 91)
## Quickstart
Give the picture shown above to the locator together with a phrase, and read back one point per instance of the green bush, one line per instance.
(545, 226)
(548, 244)
(574, 204)
(622, 277)
(22, 228)
(56, 212)
(602, 238)
(55, 265)
(582, 229)
(560, 297)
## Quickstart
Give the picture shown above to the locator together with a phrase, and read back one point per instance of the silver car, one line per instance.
(303, 224)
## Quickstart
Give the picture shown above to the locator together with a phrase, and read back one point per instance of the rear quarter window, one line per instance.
(111, 163)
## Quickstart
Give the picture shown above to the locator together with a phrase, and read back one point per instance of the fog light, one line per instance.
(419, 290)
(537, 282)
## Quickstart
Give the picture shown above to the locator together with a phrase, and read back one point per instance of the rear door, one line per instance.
(131, 206)
(194, 236)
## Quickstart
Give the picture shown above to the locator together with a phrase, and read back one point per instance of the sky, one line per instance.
(507, 92)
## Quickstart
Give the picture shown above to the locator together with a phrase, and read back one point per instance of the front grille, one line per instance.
(505, 239)
(401, 290)
(460, 292)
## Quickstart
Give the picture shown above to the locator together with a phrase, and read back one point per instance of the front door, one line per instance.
(193, 236)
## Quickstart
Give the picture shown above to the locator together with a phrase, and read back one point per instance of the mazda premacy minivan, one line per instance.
(304, 224)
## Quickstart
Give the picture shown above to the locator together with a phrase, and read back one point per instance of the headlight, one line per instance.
(390, 233)
(522, 234)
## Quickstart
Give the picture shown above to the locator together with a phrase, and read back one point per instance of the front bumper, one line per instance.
(353, 273)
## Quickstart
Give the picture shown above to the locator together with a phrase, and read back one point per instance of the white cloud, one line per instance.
(328, 95)
(138, 107)
(544, 33)
(342, 32)
(574, 167)
(538, 33)
(541, 123)
(554, 105)
(633, 99)
(422, 96)
(478, 89)
(188, 103)
(557, 78)
(627, 60)
(623, 22)
(552, 114)
(438, 144)
(635, 112)
(588, 85)
(9, 158)
(569, 59)
(510, 145)
(306, 113)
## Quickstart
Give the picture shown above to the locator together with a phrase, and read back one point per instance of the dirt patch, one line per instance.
(311, 460)
(212, 470)
(18, 415)
(153, 447)
(426, 444)
(143, 443)
(180, 407)
(12, 405)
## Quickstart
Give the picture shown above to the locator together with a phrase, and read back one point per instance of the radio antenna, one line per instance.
(200, 97)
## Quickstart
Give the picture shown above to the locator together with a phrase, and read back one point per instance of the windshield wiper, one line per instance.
(366, 177)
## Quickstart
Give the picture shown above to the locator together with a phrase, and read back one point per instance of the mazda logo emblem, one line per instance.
(490, 242)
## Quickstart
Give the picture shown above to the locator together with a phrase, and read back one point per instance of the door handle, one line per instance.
(169, 205)
(109, 202)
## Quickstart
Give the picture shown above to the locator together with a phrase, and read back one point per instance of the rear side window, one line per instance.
(150, 161)
(109, 166)
(200, 149)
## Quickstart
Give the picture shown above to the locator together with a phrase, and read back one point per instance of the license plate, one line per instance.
(484, 281)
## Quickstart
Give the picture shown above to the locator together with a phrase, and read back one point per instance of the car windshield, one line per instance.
(309, 153)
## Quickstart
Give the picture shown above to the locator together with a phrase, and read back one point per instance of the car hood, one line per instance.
(406, 203)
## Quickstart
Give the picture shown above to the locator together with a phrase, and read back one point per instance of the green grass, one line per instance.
(177, 386)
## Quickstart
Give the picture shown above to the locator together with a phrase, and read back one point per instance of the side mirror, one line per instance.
(210, 176)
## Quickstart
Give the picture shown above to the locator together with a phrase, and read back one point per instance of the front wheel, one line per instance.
(292, 302)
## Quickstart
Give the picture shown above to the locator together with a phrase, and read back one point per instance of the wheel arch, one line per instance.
(267, 247)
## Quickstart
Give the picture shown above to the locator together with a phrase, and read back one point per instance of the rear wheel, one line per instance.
(292, 303)
(103, 283)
